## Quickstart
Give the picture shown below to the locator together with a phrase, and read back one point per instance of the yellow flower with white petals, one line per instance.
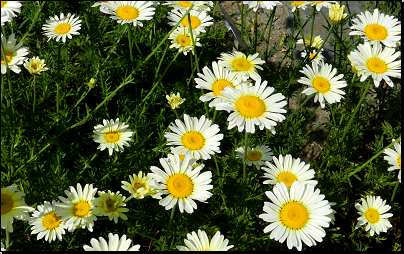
(200, 242)
(129, 11)
(184, 5)
(244, 66)
(115, 243)
(139, 186)
(298, 5)
(256, 156)
(317, 58)
(394, 158)
(320, 4)
(110, 204)
(35, 65)
(199, 20)
(10, 8)
(269, 5)
(62, 27)
(372, 212)
(181, 40)
(15, 54)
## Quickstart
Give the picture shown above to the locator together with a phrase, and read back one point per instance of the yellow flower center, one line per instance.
(127, 13)
(294, 215)
(399, 161)
(137, 186)
(9, 57)
(311, 56)
(376, 65)
(241, 64)
(81, 208)
(110, 205)
(193, 140)
(250, 106)
(34, 66)
(182, 157)
(3, 3)
(254, 155)
(287, 178)
(51, 221)
(321, 85)
(195, 22)
(180, 186)
(184, 40)
(112, 136)
(63, 28)
(7, 203)
(219, 86)
(317, 2)
(375, 32)
(298, 3)
(372, 215)
(185, 4)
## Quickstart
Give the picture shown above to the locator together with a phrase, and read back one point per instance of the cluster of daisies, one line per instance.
(297, 212)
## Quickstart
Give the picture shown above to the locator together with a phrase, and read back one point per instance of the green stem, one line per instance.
(33, 105)
(74, 237)
(298, 108)
(371, 159)
(57, 83)
(193, 43)
(356, 110)
(244, 170)
(7, 240)
(130, 43)
(169, 227)
(394, 192)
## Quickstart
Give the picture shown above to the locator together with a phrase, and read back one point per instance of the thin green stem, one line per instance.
(193, 43)
(130, 42)
(58, 83)
(7, 240)
(33, 104)
(312, 28)
(394, 191)
(74, 237)
(169, 227)
(348, 127)
(33, 20)
(298, 108)
(135, 41)
(244, 170)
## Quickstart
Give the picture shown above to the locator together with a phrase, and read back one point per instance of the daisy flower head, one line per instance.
(181, 183)
(15, 54)
(256, 156)
(174, 100)
(298, 213)
(372, 212)
(315, 42)
(129, 11)
(35, 65)
(242, 65)
(298, 5)
(394, 158)
(45, 222)
(317, 58)
(320, 4)
(288, 170)
(320, 80)
(10, 8)
(181, 40)
(13, 206)
(5, 18)
(77, 209)
(199, 20)
(215, 81)
(336, 13)
(139, 186)
(198, 138)
(200, 242)
(253, 106)
(113, 135)
(62, 27)
(262, 4)
(110, 204)
(377, 27)
(115, 243)
(184, 5)
(374, 61)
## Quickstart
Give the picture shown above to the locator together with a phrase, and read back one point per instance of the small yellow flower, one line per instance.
(35, 65)
(336, 13)
(92, 82)
(139, 186)
(174, 100)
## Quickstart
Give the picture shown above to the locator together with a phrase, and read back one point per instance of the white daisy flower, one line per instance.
(199, 20)
(256, 156)
(215, 81)
(35, 65)
(181, 183)
(376, 62)
(129, 11)
(5, 18)
(372, 212)
(318, 58)
(195, 137)
(45, 222)
(298, 213)
(242, 65)
(288, 170)
(10, 8)
(377, 27)
(262, 4)
(184, 5)
(15, 54)
(62, 27)
(200, 242)
(315, 42)
(253, 106)
(113, 135)
(13, 206)
(110, 204)
(320, 4)
(394, 158)
(320, 80)
(114, 244)
(301, 5)
(139, 186)
(77, 209)
(181, 40)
